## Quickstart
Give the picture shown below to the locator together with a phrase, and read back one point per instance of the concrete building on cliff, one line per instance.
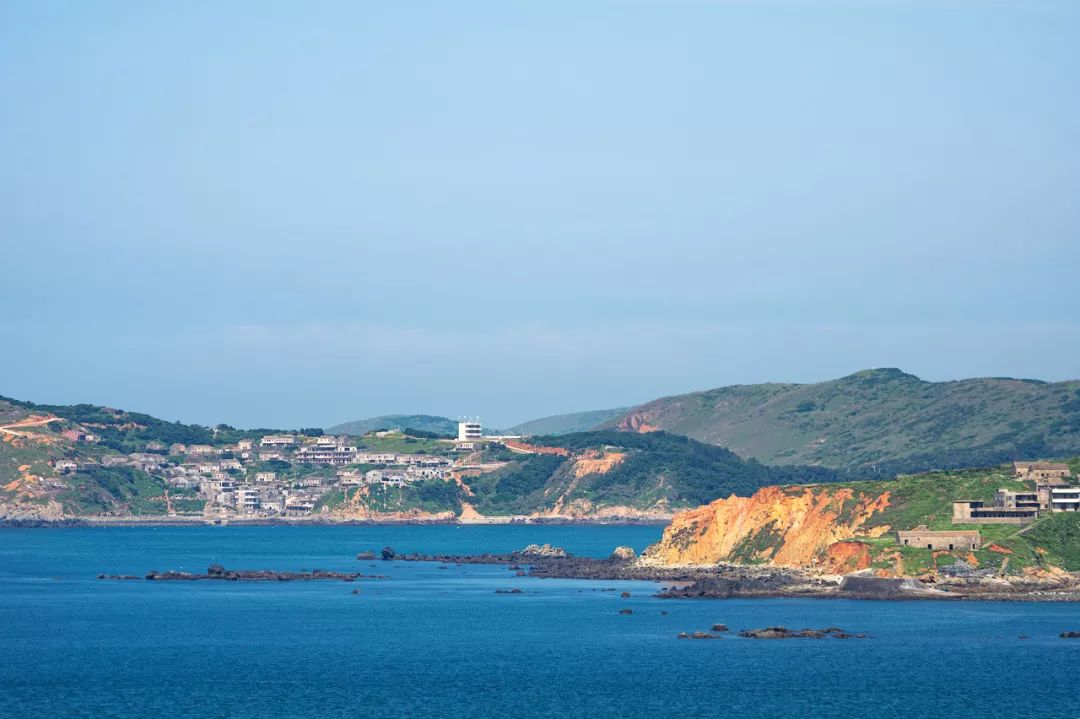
(923, 537)
(976, 511)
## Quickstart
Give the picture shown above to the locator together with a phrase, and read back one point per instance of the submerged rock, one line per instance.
(219, 573)
(785, 633)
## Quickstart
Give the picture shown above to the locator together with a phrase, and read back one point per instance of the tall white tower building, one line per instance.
(469, 430)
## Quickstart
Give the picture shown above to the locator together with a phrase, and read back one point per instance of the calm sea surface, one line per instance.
(439, 642)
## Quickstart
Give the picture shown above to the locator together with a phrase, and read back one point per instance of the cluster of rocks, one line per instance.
(961, 568)
(508, 591)
(218, 572)
(528, 555)
(773, 633)
(1070, 635)
(785, 633)
(546, 551)
(957, 581)
(697, 635)
(720, 628)
(1063, 587)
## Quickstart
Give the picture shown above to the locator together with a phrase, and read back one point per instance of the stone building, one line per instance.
(1042, 471)
(926, 538)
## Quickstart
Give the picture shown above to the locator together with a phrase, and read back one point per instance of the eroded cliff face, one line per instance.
(781, 526)
(637, 422)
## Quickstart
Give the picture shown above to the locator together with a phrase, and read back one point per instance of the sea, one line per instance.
(438, 641)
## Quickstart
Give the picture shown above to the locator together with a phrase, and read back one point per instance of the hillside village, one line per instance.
(90, 463)
(269, 476)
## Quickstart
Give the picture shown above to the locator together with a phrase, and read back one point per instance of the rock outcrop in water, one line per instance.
(220, 573)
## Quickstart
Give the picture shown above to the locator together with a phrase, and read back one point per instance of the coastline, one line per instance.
(167, 521)
(736, 581)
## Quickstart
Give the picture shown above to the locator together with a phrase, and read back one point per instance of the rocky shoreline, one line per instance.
(219, 573)
(198, 521)
(724, 581)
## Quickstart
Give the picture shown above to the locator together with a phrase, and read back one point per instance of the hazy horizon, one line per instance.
(267, 215)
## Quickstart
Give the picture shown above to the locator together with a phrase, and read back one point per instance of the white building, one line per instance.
(277, 440)
(1064, 499)
(327, 455)
(469, 430)
(298, 506)
(247, 500)
(376, 458)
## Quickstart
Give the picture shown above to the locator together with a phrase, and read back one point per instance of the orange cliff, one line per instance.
(780, 526)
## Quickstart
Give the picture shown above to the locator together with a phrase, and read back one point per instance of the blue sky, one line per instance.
(296, 214)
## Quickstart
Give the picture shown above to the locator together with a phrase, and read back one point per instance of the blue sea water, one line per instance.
(433, 642)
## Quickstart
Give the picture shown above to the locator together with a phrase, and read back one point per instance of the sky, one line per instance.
(297, 214)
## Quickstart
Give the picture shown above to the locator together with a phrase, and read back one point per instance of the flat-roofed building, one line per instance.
(1063, 498)
(469, 430)
(976, 511)
(949, 539)
(247, 500)
(1016, 500)
(277, 440)
(327, 455)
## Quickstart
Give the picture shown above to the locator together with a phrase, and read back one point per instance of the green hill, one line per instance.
(880, 421)
(422, 422)
(567, 423)
(657, 471)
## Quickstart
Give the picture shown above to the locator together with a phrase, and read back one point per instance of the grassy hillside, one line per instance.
(126, 431)
(658, 471)
(831, 525)
(567, 423)
(877, 422)
(421, 422)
